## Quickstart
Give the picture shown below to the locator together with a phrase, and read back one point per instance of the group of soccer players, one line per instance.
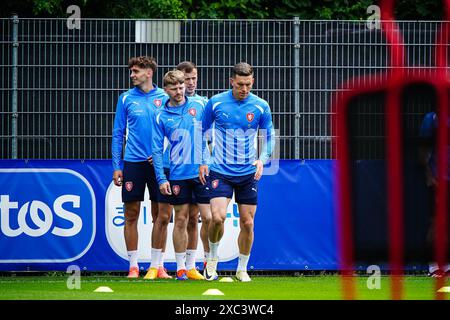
(192, 154)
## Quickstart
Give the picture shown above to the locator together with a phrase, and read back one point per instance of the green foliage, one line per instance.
(222, 9)
(227, 9)
(146, 9)
(47, 6)
(322, 9)
(419, 10)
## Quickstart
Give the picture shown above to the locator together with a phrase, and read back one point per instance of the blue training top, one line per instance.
(236, 124)
(203, 100)
(134, 112)
(166, 156)
(428, 130)
(182, 126)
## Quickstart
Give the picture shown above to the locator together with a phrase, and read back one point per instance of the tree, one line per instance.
(221, 9)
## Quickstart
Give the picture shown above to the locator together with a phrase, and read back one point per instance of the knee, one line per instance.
(181, 222)
(217, 220)
(247, 225)
(164, 213)
(131, 216)
(193, 223)
(163, 221)
(206, 221)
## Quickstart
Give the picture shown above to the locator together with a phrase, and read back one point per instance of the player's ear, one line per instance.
(231, 81)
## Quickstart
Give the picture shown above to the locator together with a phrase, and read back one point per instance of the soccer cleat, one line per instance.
(181, 275)
(210, 272)
(162, 273)
(243, 276)
(193, 274)
(133, 273)
(436, 274)
(152, 274)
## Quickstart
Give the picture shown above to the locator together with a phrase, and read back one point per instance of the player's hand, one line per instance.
(118, 177)
(165, 188)
(259, 169)
(150, 160)
(203, 172)
(431, 181)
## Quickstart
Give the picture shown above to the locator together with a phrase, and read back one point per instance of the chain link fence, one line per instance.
(59, 86)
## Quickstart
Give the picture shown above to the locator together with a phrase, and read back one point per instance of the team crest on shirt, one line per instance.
(250, 116)
(129, 186)
(157, 102)
(176, 189)
(215, 183)
(192, 112)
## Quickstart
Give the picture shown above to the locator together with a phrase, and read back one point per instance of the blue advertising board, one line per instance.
(57, 213)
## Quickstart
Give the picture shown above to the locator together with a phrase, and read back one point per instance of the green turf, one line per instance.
(261, 288)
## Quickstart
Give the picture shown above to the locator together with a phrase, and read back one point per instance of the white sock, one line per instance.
(213, 249)
(132, 257)
(181, 260)
(243, 261)
(432, 267)
(190, 259)
(161, 260)
(156, 256)
(206, 255)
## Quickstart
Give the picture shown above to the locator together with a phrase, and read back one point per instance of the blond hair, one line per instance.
(173, 77)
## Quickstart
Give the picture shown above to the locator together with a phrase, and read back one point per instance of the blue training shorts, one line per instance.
(245, 187)
(137, 175)
(188, 191)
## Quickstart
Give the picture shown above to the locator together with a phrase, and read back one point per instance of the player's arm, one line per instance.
(158, 148)
(207, 120)
(208, 136)
(119, 127)
(266, 128)
(426, 147)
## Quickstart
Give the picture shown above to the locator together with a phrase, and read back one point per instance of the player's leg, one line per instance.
(202, 196)
(205, 214)
(245, 239)
(221, 192)
(216, 229)
(159, 236)
(165, 210)
(192, 230)
(181, 199)
(180, 238)
(133, 189)
(246, 192)
(160, 218)
(166, 207)
(192, 272)
(130, 231)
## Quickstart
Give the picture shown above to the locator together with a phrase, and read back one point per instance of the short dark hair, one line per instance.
(242, 69)
(186, 66)
(173, 77)
(144, 62)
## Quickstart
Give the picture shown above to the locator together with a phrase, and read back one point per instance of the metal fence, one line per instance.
(59, 86)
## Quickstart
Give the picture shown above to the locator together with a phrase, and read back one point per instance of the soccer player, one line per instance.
(428, 160)
(190, 81)
(180, 122)
(134, 112)
(237, 114)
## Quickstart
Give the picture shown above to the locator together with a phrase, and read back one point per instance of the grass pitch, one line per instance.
(323, 287)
